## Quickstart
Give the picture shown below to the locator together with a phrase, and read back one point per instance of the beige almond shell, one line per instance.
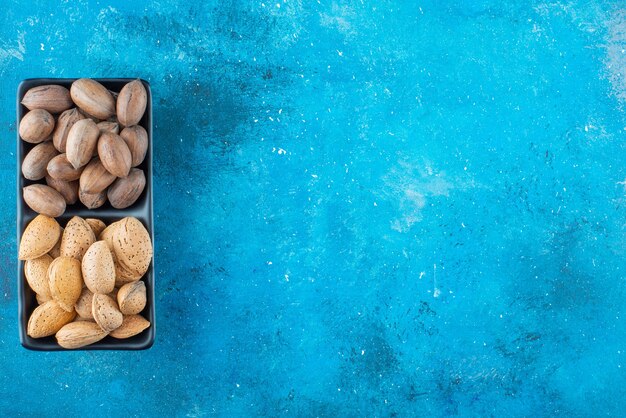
(114, 154)
(44, 200)
(61, 169)
(63, 127)
(77, 238)
(84, 304)
(42, 299)
(47, 319)
(36, 126)
(79, 334)
(107, 126)
(81, 142)
(95, 178)
(50, 97)
(93, 98)
(34, 166)
(97, 226)
(131, 298)
(92, 200)
(56, 250)
(136, 138)
(98, 268)
(66, 282)
(36, 272)
(125, 191)
(106, 312)
(114, 293)
(131, 326)
(133, 246)
(131, 103)
(39, 237)
(67, 189)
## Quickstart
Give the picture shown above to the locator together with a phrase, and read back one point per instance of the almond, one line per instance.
(125, 191)
(131, 103)
(39, 237)
(132, 246)
(98, 268)
(114, 293)
(131, 326)
(42, 299)
(36, 161)
(64, 124)
(95, 178)
(92, 200)
(36, 272)
(79, 334)
(136, 138)
(47, 319)
(106, 313)
(84, 303)
(131, 298)
(97, 226)
(61, 169)
(77, 238)
(36, 126)
(81, 142)
(114, 154)
(93, 98)
(66, 282)
(51, 97)
(56, 250)
(44, 199)
(67, 189)
(107, 126)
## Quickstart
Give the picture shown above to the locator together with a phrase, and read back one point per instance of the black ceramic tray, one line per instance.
(142, 210)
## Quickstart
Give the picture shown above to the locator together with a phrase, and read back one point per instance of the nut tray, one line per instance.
(141, 209)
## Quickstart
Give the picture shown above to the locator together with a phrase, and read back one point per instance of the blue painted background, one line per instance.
(389, 209)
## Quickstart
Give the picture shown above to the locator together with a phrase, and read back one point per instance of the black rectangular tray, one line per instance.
(142, 210)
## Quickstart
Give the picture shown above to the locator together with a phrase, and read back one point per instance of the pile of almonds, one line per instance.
(87, 278)
(82, 154)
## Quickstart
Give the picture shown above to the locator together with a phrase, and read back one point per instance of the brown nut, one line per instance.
(68, 189)
(92, 200)
(61, 169)
(95, 178)
(114, 154)
(44, 199)
(36, 126)
(52, 98)
(34, 166)
(64, 124)
(131, 103)
(81, 142)
(136, 138)
(125, 191)
(93, 98)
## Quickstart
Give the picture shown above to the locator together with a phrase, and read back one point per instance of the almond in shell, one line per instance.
(93, 98)
(114, 154)
(61, 169)
(36, 126)
(98, 268)
(81, 142)
(39, 237)
(36, 161)
(56, 250)
(36, 272)
(125, 191)
(132, 246)
(42, 299)
(47, 319)
(131, 103)
(97, 226)
(77, 238)
(67, 189)
(44, 199)
(131, 326)
(64, 124)
(131, 298)
(79, 334)
(84, 303)
(95, 178)
(106, 312)
(66, 282)
(51, 97)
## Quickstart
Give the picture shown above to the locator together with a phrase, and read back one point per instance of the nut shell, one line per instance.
(39, 237)
(131, 298)
(114, 154)
(98, 268)
(79, 334)
(92, 200)
(67, 189)
(95, 178)
(36, 272)
(125, 191)
(136, 138)
(36, 126)
(52, 98)
(81, 142)
(131, 103)
(84, 303)
(47, 319)
(66, 120)
(107, 126)
(93, 98)
(77, 238)
(44, 200)
(36, 161)
(66, 282)
(60, 168)
(106, 313)
(131, 326)
(97, 226)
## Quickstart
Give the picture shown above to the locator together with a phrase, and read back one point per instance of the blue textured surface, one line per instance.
(407, 208)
